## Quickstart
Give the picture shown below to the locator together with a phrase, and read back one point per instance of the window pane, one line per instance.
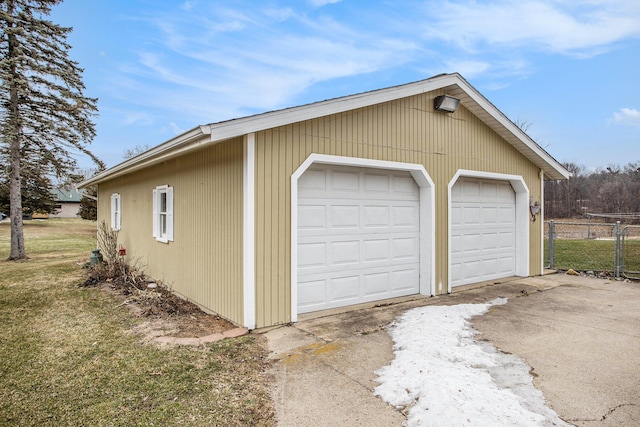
(163, 202)
(163, 224)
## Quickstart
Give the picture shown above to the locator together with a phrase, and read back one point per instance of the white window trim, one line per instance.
(116, 211)
(157, 193)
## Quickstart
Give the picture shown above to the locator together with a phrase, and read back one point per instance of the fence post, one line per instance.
(552, 234)
(617, 250)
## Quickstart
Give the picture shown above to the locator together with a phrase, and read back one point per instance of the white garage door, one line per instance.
(483, 231)
(358, 236)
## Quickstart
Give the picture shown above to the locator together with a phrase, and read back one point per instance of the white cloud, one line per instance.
(219, 61)
(255, 60)
(555, 26)
(320, 3)
(468, 68)
(176, 129)
(130, 118)
(627, 116)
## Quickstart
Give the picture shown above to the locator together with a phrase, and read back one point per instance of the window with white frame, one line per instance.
(116, 211)
(163, 213)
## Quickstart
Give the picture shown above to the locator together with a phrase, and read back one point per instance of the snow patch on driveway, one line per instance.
(446, 378)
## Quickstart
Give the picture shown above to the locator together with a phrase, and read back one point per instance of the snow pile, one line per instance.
(446, 378)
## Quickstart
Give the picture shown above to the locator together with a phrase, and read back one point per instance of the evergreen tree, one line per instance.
(89, 204)
(44, 116)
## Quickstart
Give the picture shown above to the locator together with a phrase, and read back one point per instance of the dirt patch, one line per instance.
(165, 313)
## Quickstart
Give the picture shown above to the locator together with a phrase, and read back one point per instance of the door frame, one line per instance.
(521, 210)
(427, 216)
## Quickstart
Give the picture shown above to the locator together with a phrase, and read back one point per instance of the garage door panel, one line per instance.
(406, 248)
(376, 216)
(312, 217)
(344, 216)
(312, 293)
(490, 241)
(344, 253)
(402, 280)
(506, 215)
(482, 230)
(506, 240)
(376, 250)
(456, 246)
(345, 181)
(405, 216)
(367, 221)
(376, 183)
(312, 255)
(405, 185)
(376, 284)
(489, 215)
(313, 180)
(344, 288)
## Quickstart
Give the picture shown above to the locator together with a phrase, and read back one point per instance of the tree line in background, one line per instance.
(613, 189)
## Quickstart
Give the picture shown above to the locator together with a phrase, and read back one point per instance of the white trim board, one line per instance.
(522, 217)
(427, 216)
(248, 232)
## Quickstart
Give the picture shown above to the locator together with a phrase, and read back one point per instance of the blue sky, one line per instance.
(570, 69)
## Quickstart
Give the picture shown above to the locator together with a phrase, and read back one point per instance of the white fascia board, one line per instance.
(173, 147)
(234, 128)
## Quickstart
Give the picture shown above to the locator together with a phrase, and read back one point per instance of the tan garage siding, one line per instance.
(204, 262)
(405, 130)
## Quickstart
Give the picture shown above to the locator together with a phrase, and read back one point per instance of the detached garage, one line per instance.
(364, 198)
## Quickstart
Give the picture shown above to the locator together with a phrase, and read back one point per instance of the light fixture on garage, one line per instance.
(534, 208)
(446, 103)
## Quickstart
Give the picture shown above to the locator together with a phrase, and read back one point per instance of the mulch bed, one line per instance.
(156, 302)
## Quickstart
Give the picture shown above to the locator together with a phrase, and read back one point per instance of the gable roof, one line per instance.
(453, 84)
(66, 195)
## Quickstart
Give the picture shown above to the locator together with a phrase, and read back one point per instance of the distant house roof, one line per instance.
(454, 84)
(67, 195)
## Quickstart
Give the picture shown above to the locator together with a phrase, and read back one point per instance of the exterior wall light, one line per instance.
(446, 103)
(534, 208)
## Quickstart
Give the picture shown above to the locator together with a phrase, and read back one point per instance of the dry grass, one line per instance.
(68, 355)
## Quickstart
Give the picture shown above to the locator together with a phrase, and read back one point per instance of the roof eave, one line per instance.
(170, 149)
(453, 83)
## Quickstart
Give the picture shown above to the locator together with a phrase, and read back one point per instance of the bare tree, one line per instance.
(132, 152)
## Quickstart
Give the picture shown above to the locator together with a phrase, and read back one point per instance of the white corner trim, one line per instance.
(541, 219)
(522, 217)
(427, 216)
(248, 232)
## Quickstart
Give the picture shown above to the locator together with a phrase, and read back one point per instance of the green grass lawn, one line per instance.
(68, 356)
(592, 254)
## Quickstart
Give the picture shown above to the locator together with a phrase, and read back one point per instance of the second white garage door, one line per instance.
(483, 231)
(358, 236)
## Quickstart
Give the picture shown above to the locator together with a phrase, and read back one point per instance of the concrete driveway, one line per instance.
(581, 337)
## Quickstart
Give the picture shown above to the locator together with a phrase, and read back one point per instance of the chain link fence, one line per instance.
(630, 251)
(610, 249)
